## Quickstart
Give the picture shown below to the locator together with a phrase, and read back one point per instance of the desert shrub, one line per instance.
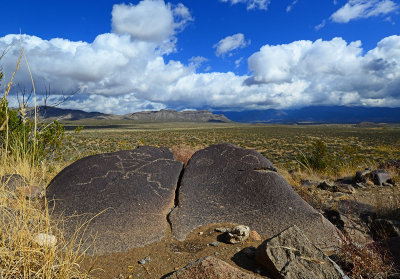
(20, 136)
(317, 158)
(364, 261)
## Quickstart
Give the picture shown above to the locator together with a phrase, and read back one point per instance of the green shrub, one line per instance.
(318, 158)
(20, 139)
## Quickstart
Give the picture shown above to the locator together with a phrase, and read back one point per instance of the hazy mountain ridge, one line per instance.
(53, 113)
(317, 114)
(173, 115)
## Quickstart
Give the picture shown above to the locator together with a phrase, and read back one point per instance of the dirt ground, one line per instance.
(169, 255)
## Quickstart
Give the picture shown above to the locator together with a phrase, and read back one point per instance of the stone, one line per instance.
(383, 228)
(210, 268)
(12, 181)
(290, 254)
(228, 184)
(238, 234)
(380, 177)
(222, 230)
(124, 197)
(214, 243)
(362, 176)
(327, 187)
(45, 240)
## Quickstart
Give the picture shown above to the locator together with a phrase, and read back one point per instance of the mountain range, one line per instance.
(312, 115)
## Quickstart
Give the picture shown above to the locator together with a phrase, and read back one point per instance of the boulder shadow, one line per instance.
(248, 262)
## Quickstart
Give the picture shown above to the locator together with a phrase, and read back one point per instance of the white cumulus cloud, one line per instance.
(122, 72)
(333, 72)
(230, 43)
(251, 4)
(150, 20)
(355, 9)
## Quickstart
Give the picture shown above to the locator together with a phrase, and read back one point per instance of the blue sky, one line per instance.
(209, 54)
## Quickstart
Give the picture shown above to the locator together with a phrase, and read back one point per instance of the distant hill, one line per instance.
(177, 116)
(53, 113)
(68, 114)
(317, 114)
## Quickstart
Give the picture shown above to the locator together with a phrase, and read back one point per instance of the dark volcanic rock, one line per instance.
(210, 268)
(134, 188)
(227, 184)
(291, 255)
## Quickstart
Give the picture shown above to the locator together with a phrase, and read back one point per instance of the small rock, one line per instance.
(238, 234)
(45, 240)
(12, 181)
(254, 235)
(222, 230)
(381, 176)
(142, 261)
(361, 176)
(201, 233)
(216, 253)
(214, 244)
(327, 187)
(291, 255)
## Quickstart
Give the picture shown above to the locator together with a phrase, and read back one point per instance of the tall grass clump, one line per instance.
(26, 149)
(317, 158)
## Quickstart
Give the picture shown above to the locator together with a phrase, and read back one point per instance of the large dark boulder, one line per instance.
(291, 255)
(132, 190)
(227, 184)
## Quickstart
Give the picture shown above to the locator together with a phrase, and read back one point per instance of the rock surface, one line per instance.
(132, 190)
(238, 234)
(210, 268)
(12, 181)
(291, 255)
(381, 177)
(227, 184)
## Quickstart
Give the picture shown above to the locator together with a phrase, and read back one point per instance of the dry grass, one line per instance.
(24, 219)
(183, 153)
(364, 261)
